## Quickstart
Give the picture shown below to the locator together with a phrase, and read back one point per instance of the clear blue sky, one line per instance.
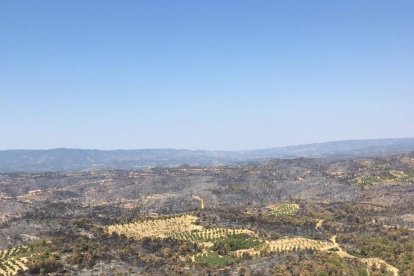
(204, 74)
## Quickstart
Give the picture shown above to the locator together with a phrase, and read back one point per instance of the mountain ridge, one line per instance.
(72, 159)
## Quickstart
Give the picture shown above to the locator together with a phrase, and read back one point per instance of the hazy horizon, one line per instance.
(216, 75)
(196, 149)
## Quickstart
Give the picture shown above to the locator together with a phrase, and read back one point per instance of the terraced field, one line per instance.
(180, 227)
(376, 262)
(160, 227)
(287, 244)
(298, 243)
(210, 235)
(184, 227)
(12, 261)
(283, 209)
(390, 177)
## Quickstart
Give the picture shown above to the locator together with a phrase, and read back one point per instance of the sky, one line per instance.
(217, 75)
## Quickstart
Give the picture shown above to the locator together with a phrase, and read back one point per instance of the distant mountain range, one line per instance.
(85, 159)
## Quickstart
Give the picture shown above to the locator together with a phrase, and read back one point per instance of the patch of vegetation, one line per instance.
(214, 259)
(392, 176)
(236, 242)
(408, 177)
(283, 209)
(369, 180)
(45, 258)
(393, 245)
(208, 235)
(321, 264)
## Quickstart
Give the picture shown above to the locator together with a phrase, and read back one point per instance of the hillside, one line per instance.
(305, 216)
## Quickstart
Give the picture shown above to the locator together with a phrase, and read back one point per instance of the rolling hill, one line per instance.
(86, 159)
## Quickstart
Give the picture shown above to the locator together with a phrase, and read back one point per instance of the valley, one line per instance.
(304, 216)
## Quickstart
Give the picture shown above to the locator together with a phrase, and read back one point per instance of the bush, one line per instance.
(235, 242)
(214, 259)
